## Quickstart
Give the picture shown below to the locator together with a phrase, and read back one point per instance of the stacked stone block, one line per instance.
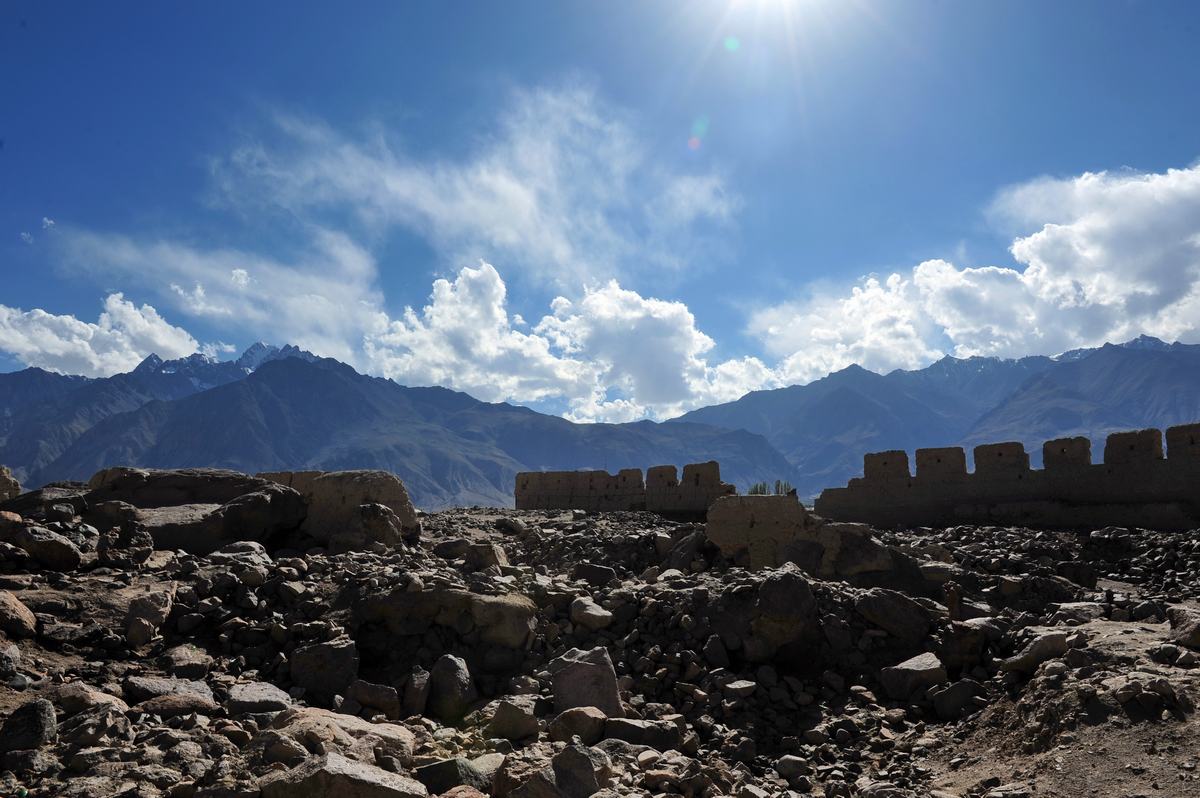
(661, 491)
(1136, 485)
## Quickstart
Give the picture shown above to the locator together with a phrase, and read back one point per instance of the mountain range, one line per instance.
(825, 427)
(277, 408)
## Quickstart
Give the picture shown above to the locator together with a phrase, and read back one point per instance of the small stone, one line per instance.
(587, 613)
(325, 669)
(30, 725)
(380, 697)
(586, 723)
(914, 675)
(513, 720)
(451, 689)
(186, 661)
(256, 697)
(446, 774)
(16, 619)
(742, 688)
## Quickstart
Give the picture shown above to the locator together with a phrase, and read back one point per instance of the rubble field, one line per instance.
(545, 653)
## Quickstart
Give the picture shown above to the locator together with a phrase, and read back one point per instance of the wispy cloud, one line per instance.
(325, 299)
(560, 186)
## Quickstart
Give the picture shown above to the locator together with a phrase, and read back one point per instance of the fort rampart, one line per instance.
(661, 490)
(1136, 485)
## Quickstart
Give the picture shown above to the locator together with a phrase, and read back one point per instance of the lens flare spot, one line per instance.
(700, 127)
(732, 44)
(694, 143)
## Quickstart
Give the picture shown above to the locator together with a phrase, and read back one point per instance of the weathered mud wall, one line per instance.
(1136, 485)
(662, 490)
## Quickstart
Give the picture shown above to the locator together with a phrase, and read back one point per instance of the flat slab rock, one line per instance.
(252, 697)
(143, 688)
(335, 775)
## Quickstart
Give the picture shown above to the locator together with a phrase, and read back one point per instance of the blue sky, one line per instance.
(609, 210)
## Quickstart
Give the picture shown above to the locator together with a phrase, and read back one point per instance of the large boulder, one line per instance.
(251, 697)
(35, 503)
(347, 735)
(785, 611)
(153, 487)
(506, 620)
(198, 510)
(1047, 645)
(50, 549)
(895, 613)
(446, 774)
(344, 506)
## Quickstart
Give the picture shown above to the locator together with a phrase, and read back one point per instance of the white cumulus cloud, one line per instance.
(464, 339)
(612, 355)
(121, 338)
(1099, 257)
(647, 351)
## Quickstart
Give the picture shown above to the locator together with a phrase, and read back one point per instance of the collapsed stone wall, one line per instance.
(1136, 485)
(661, 491)
(350, 509)
(9, 486)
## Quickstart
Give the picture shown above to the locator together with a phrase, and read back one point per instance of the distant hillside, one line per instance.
(282, 408)
(448, 448)
(42, 414)
(1112, 389)
(825, 427)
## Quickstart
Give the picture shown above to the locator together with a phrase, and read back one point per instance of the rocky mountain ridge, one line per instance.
(295, 413)
(825, 427)
(453, 449)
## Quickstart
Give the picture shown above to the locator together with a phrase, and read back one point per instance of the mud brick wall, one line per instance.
(662, 490)
(1137, 484)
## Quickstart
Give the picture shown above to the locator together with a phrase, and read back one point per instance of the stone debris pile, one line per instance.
(148, 653)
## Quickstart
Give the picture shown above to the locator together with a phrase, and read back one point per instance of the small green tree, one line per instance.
(781, 488)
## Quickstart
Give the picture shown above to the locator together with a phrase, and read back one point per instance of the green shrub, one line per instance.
(781, 488)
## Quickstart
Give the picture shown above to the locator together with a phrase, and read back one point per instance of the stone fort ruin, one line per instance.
(662, 491)
(1136, 485)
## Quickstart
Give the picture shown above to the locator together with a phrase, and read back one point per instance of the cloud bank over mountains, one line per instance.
(1102, 257)
(122, 336)
(565, 192)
